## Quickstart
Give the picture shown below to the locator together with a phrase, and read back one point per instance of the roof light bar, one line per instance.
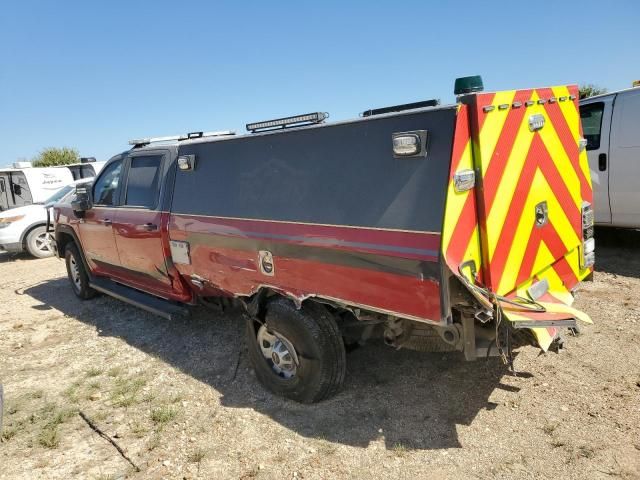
(139, 142)
(297, 121)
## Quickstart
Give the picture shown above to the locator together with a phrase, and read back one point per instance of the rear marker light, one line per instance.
(589, 260)
(464, 180)
(582, 144)
(588, 242)
(589, 246)
(536, 122)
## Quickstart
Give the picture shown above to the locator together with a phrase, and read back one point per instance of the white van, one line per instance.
(24, 184)
(611, 126)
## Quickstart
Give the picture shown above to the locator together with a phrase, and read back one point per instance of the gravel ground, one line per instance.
(181, 401)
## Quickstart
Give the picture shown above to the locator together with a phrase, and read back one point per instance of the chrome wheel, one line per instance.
(74, 271)
(43, 243)
(278, 352)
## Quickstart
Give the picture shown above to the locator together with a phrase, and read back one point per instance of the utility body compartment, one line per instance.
(341, 217)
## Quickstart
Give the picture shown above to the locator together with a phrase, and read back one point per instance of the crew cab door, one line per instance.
(139, 222)
(96, 231)
(596, 124)
(624, 150)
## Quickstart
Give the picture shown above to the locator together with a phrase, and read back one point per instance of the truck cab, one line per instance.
(611, 125)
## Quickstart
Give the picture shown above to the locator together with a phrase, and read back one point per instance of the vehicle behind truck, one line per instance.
(611, 124)
(461, 227)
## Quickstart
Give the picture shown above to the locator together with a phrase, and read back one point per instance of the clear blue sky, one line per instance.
(91, 75)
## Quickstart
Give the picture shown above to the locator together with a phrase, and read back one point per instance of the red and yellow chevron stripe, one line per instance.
(494, 224)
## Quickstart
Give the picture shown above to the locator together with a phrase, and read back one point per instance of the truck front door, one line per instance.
(596, 122)
(139, 222)
(96, 228)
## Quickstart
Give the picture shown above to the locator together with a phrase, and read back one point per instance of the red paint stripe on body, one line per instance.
(417, 245)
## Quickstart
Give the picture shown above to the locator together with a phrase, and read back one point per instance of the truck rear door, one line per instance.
(596, 123)
(139, 224)
(533, 182)
(516, 237)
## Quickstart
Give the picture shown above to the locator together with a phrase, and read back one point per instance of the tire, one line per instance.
(77, 273)
(38, 243)
(317, 344)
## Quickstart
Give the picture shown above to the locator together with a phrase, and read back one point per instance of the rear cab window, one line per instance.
(143, 182)
(591, 117)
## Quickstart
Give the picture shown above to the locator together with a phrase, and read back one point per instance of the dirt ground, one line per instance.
(180, 400)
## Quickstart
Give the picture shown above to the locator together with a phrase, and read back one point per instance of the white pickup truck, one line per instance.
(611, 125)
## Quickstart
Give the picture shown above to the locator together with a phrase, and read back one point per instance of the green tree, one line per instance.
(591, 90)
(50, 157)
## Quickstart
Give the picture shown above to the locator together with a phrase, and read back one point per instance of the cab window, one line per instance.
(591, 117)
(143, 181)
(106, 186)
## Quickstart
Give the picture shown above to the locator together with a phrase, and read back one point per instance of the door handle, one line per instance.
(106, 222)
(149, 227)
(602, 162)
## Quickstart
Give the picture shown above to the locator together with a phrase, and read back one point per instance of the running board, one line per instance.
(158, 306)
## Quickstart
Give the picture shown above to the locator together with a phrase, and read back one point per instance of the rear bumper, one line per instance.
(12, 247)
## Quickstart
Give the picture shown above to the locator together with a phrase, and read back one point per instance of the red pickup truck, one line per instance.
(434, 227)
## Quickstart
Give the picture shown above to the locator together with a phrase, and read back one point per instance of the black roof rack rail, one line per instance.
(399, 108)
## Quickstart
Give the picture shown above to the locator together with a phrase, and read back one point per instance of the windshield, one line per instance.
(59, 194)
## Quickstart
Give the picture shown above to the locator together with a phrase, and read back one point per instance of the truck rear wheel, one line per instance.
(77, 273)
(298, 354)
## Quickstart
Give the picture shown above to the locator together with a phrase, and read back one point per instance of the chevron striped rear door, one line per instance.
(533, 181)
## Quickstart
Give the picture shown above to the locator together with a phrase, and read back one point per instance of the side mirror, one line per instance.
(82, 201)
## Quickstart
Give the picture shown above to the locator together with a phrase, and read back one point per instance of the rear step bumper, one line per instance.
(145, 301)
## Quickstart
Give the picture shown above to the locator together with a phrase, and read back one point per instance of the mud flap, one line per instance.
(545, 321)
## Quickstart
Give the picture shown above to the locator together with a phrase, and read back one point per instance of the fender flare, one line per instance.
(67, 230)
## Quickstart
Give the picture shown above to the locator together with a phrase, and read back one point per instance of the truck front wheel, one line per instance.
(298, 354)
(77, 273)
